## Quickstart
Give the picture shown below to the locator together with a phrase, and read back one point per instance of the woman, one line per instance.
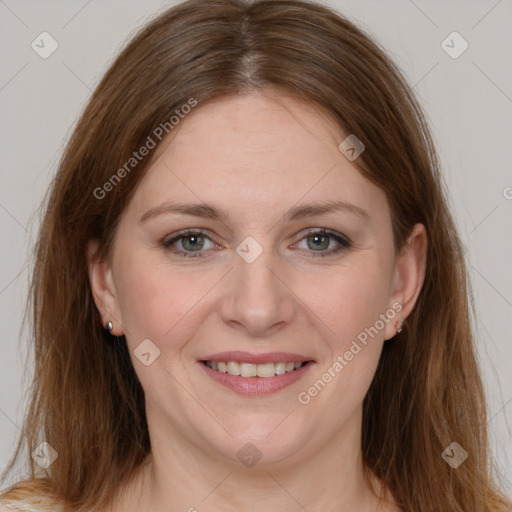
(249, 293)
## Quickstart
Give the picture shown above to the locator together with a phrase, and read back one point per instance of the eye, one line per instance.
(191, 241)
(320, 240)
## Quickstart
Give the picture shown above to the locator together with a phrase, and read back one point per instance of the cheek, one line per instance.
(347, 301)
(159, 302)
(148, 307)
(349, 304)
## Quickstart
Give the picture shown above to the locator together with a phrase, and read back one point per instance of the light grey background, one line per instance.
(468, 100)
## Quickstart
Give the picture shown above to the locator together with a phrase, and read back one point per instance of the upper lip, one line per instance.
(248, 357)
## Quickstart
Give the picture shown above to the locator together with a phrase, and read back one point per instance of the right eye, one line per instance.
(191, 241)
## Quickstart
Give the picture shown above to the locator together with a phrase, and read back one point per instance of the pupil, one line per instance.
(320, 239)
(192, 241)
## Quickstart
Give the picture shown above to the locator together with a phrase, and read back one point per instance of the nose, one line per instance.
(258, 299)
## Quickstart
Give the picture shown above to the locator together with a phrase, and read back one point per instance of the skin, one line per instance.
(255, 156)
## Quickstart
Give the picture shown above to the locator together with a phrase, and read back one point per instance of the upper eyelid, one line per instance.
(182, 234)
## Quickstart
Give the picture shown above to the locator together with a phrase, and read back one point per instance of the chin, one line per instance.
(263, 443)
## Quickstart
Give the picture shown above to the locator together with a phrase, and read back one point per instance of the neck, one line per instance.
(180, 474)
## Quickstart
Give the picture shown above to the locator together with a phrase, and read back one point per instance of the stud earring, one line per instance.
(398, 326)
(109, 326)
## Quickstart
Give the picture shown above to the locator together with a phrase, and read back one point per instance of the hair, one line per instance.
(86, 400)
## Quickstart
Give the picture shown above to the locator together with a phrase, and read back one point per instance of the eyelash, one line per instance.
(345, 242)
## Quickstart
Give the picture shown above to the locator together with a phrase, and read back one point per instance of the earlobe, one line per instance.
(409, 275)
(103, 289)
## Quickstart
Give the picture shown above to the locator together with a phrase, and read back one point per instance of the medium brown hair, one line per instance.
(87, 402)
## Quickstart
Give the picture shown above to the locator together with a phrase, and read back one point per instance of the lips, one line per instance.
(254, 374)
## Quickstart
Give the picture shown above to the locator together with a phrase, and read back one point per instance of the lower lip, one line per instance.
(256, 385)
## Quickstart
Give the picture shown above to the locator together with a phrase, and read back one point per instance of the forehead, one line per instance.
(258, 151)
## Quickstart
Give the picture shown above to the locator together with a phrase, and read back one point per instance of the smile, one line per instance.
(248, 373)
(264, 370)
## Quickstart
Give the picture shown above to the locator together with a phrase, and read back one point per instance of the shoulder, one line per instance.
(27, 505)
(28, 496)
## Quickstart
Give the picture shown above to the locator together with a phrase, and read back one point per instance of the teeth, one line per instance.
(264, 370)
(280, 368)
(233, 368)
(248, 370)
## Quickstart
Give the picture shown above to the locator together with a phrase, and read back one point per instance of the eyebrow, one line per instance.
(207, 211)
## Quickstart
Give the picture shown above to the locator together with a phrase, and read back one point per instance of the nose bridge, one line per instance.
(255, 275)
(258, 298)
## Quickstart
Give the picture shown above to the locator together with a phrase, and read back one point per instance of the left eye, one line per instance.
(319, 241)
(192, 243)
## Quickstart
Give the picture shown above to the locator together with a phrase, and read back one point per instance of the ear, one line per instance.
(408, 277)
(103, 288)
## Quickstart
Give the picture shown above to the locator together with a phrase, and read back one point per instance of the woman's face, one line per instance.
(256, 178)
